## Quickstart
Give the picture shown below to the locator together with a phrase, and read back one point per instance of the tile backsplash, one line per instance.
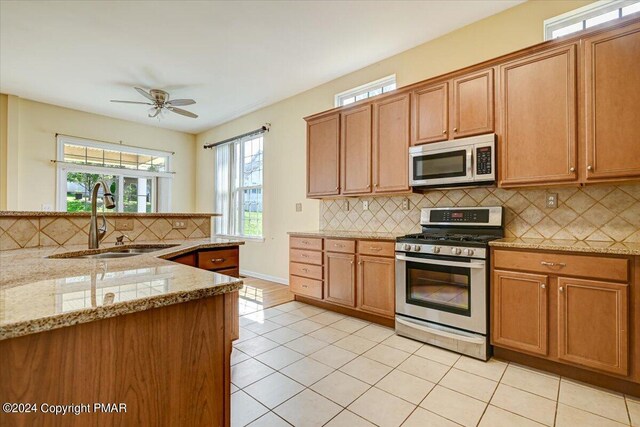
(24, 231)
(597, 213)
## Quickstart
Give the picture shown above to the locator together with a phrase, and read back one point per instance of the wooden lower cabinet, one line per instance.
(374, 293)
(519, 302)
(593, 325)
(340, 278)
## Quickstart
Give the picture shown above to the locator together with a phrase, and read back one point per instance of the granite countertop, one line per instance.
(606, 248)
(34, 214)
(372, 235)
(38, 293)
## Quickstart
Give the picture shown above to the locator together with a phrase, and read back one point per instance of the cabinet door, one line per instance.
(538, 96)
(340, 278)
(323, 156)
(430, 114)
(593, 327)
(376, 285)
(356, 151)
(612, 95)
(519, 311)
(472, 104)
(391, 145)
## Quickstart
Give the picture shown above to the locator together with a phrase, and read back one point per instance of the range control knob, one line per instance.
(469, 251)
(436, 249)
(456, 251)
(416, 248)
(407, 247)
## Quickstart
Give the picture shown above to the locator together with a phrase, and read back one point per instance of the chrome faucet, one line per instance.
(97, 233)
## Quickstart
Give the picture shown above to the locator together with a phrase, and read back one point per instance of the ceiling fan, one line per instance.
(160, 101)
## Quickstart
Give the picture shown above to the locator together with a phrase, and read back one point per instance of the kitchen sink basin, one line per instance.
(116, 252)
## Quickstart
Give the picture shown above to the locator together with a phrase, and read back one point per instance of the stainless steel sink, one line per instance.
(107, 255)
(117, 252)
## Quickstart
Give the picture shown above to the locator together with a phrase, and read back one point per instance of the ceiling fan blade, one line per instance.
(153, 112)
(145, 94)
(180, 102)
(183, 112)
(132, 102)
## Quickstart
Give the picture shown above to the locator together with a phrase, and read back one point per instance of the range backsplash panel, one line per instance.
(597, 213)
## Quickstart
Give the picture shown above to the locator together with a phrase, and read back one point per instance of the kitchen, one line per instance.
(454, 244)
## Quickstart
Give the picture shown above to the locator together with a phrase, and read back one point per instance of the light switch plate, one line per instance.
(179, 223)
(298, 207)
(552, 200)
(405, 204)
(365, 205)
(124, 224)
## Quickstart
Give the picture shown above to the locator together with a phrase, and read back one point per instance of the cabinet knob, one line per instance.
(561, 289)
(444, 132)
(543, 286)
(351, 262)
(359, 262)
(455, 129)
(589, 168)
(572, 169)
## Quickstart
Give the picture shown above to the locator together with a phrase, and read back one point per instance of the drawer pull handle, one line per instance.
(338, 245)
(304, 286)
(553, 264)
(304, 255)
(305, 242)
(306, 270)
(374, 248)
(217, 260)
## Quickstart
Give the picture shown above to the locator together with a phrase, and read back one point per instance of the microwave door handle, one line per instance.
(441, 262)
(470, 162)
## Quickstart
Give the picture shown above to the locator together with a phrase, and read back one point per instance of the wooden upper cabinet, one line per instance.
(612, 104)
(472, 104)
(340, 278)
(323, 156)
(593, 324)
(430, 114)
(391, 144)
(376, 285)
(356, 151)
(538, 107)
(519, 311)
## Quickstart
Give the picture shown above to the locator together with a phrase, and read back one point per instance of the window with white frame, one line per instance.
(139, 178)
(588, 16)
(384, 85)
(238, 187)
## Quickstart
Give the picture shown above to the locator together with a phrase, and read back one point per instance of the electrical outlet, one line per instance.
(345, 205)
(46, 207)
(405, 204)
(180, 223)
(365, 205)
(552, 200)
(124, 224)
(298, 207)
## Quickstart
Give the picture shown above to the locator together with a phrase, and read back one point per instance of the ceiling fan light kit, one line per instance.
(161, 102)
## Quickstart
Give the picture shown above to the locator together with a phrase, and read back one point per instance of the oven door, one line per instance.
(440, 167)
(451, 293)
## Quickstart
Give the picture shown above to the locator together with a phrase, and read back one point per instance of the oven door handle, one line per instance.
(477, 264)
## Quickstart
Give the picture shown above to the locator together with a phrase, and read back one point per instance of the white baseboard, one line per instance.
(264, 277)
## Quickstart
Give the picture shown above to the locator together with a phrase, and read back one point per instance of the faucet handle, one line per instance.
(120, 239)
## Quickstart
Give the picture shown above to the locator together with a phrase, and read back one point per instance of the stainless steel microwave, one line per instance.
(460, 163)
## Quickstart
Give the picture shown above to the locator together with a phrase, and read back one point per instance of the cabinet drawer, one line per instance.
(563, 264)
(376, 248)
(224, 258)
(306, 270)
(306, 243)
(307, 257)
(303, 286)
(337, 245)
(233, 272)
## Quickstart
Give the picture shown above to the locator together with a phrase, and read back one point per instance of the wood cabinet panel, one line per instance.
(430, 114)
(312, 243)
(593, 325)
(538, 138)
(472, 104)
(340, 245)
(376, 248)
(186, 259)
(307, 257)
(340, 276)
(305, 286)
(519, 311)
(612, 104)
(323, 156)
(391, 145)
(355, 170)
(218, 259)
(306, 270)
(376, 285)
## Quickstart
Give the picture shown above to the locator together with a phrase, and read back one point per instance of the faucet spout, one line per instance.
(96, 234)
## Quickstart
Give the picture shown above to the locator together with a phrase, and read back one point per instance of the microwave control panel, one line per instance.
(483, 161)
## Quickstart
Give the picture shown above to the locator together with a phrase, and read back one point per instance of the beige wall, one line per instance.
(3, 150)
(284, 177)
(28, 180)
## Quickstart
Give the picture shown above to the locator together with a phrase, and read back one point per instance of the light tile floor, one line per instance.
(300, 365)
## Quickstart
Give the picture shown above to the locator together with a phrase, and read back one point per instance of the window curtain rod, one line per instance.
(113, 143)
(259, 131)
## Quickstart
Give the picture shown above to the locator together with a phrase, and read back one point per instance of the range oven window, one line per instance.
(439, 287)
(441, 165)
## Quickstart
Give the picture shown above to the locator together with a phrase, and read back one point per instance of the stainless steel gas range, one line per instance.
(442, 279)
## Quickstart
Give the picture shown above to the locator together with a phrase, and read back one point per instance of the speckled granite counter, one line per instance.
(346, 234)
(605, 248)
(39, 293)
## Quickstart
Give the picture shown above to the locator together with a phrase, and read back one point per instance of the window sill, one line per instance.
(231, 236)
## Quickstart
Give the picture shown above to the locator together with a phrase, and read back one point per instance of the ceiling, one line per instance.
(232, 57)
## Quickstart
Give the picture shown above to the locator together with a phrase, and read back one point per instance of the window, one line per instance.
(384, 85)
(238, 186)
(593, 14)
(139, 178)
